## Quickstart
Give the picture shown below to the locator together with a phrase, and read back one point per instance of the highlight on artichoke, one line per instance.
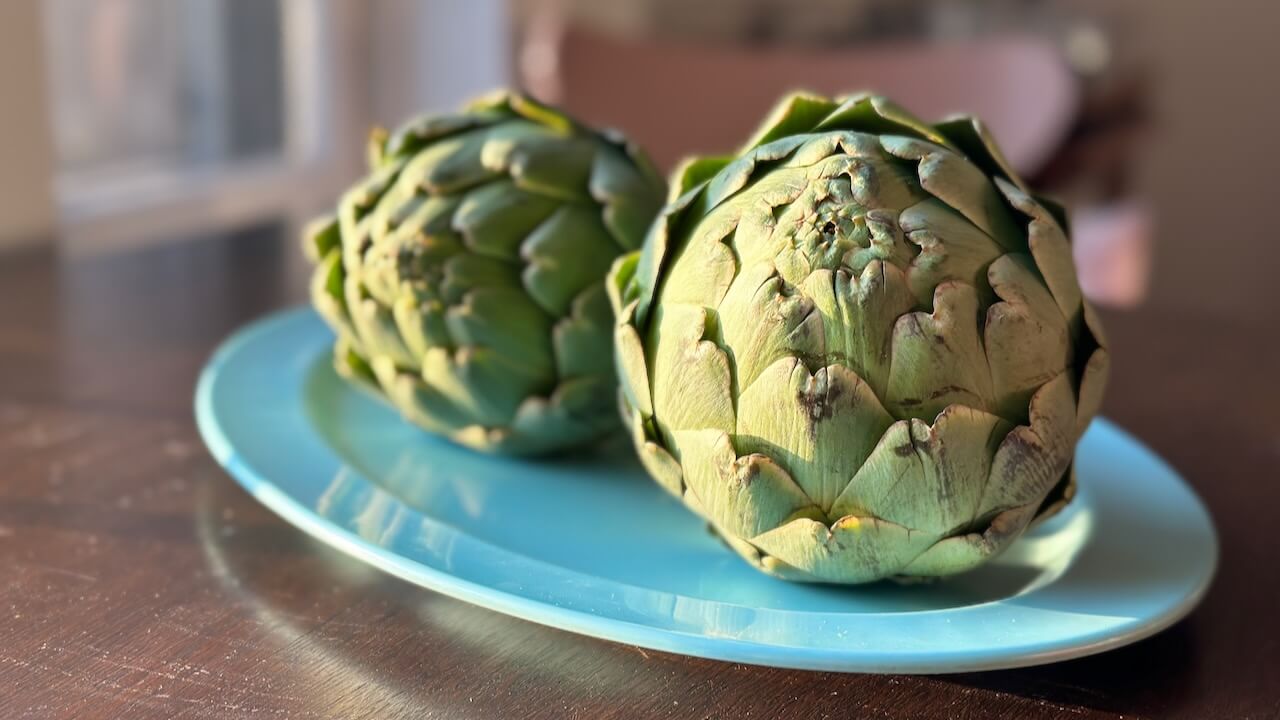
(859, 348)
(464, 276)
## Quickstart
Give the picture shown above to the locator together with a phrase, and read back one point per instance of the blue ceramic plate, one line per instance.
(592, 546)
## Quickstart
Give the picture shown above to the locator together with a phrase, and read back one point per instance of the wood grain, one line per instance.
(139, 581)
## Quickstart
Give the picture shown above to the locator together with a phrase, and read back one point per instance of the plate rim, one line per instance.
(662, 639)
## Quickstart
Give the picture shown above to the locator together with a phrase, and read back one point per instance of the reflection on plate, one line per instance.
(590, 545)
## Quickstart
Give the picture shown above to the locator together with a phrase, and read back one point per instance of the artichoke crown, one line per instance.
(463, 275)
(859, 347)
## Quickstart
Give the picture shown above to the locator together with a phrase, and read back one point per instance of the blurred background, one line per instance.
(140, 122)
(157, 158)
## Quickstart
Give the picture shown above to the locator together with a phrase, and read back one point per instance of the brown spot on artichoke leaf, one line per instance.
(947, 390)
(1026, 458)
(819, 398)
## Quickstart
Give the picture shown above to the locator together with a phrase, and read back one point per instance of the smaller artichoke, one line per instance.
(859, 349)
(464, 276)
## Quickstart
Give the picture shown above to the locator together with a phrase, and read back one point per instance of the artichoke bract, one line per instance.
(859, 348)
(464, 277)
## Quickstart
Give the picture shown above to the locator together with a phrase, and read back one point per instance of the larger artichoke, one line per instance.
(465, 275)
(859, 348)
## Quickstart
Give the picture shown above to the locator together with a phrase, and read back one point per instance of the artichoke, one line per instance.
(464, 277)
(859, 348)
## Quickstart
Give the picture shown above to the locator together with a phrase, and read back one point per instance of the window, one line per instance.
(174, 117)
(157, 84)
(177, 116)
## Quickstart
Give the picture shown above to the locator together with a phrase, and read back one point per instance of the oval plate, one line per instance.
(590, 545)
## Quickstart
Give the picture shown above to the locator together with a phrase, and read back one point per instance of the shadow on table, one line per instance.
(399, 647)
(1155, 675)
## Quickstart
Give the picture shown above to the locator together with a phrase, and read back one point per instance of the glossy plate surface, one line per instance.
(591, 545)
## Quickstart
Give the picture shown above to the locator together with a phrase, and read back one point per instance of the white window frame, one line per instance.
(348, 66)
(325, 115)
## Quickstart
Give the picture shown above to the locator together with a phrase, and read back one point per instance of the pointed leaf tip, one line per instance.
(799, 112)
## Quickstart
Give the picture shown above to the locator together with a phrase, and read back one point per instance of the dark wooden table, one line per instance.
(140, 581)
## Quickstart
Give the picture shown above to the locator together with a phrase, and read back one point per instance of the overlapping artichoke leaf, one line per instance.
(859, 347)
(463, 276)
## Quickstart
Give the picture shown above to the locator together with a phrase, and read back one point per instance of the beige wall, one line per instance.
(26, 156)
(1212, 167)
